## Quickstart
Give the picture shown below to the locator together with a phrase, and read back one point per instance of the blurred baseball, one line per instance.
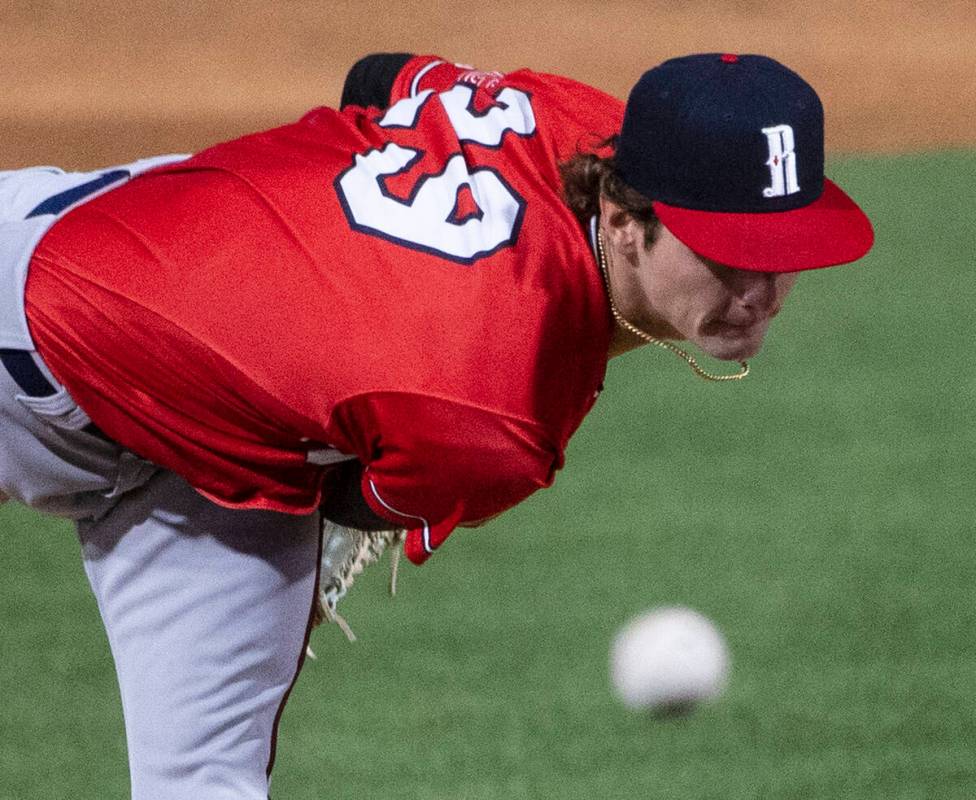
(668, 660)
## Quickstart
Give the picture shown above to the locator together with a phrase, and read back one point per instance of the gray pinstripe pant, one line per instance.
(206, 608)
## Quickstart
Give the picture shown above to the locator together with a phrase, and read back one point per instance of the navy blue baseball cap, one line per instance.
(730, 150)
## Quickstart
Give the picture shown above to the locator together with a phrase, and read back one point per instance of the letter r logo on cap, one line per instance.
(782, 161)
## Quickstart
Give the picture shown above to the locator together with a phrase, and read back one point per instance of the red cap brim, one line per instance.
(830, 231)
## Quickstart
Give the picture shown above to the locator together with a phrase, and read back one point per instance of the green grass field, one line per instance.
(822, 513)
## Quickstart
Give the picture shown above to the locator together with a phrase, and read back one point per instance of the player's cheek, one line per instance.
(785, 284)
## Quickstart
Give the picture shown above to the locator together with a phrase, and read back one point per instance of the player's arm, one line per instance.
(432, 465)
(369, 81)
(381, 79)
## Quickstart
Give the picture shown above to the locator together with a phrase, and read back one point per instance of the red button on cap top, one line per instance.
(730, 58)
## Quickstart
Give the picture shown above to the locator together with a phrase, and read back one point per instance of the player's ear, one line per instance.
(622, 232)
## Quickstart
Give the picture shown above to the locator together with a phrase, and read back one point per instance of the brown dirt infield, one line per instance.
(92, 83)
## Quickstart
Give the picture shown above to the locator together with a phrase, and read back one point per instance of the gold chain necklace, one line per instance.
(708, 376)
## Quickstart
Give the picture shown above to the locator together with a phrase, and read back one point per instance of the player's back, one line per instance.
(245, 292)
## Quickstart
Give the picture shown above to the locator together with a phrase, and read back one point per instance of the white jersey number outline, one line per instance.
(424, 221)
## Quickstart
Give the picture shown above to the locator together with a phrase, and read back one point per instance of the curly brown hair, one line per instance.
(586, 176)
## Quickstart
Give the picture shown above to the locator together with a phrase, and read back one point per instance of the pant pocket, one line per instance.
(61, 412)
(58, 409)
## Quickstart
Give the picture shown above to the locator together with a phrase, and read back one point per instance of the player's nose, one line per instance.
(757, 290)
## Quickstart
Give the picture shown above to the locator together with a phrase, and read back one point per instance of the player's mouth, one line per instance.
(737, 329)
(736, 339)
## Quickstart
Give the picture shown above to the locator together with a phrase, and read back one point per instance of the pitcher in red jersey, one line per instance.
(390, 316)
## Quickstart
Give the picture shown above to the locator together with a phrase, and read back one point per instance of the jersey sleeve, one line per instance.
(422, 73)
(433, 464)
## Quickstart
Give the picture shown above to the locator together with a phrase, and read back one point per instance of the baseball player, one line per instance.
(387, 318)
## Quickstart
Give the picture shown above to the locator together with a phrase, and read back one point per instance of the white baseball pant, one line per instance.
(207, 609)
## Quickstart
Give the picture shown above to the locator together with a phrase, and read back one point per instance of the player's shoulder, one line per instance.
(559, 85)
(421, 72)
(550, 92)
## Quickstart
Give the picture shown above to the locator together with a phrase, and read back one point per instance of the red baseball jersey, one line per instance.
(405, 286)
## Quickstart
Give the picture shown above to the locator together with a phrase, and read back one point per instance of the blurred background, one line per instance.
(98, 82)
(822, 512)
